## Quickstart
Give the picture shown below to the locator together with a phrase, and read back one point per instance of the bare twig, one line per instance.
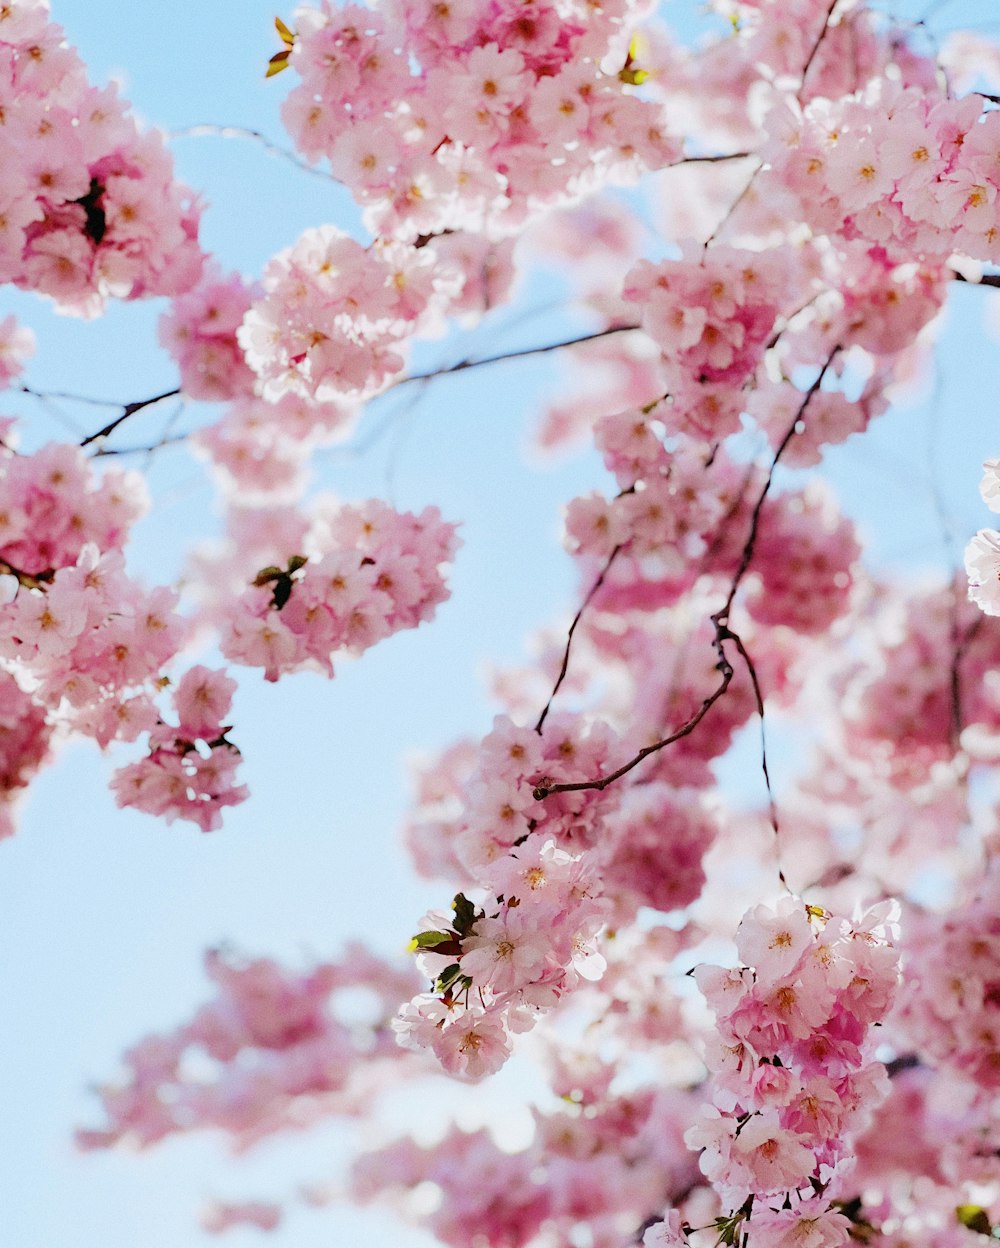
(44, 395)
(815, 48)
(255, 136)
(710, 160)
(732, 208)
(174, 439)
(987, 279)
(723, 666)
(720, 622)
(751, 541)
(483, 360)
(960, 646)
(759, 699)
(572, 629)
(128, 409)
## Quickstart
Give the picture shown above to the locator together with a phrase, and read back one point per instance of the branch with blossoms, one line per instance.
(720, 622)
(576, 901)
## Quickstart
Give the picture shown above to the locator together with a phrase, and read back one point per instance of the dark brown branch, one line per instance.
(732, 208)
(987, 279)
(815, 48)
(720, 621)
(45, 395)
(960, 647)
(128, 409)
(751, 541)
(908, 1061)
(481, 361)
(759, 699)
(572, 629)
(105, 451)
(723, 666)
(710, 160)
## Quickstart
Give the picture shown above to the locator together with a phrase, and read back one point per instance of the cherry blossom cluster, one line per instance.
(904, 168)
(90, 209)
(495, 968)
(272, 1050)
(923, 678)
(54, 505)
(442, 117)
(259, 451)
(84, 646)
(24, 744)
(334, 314)
(952, 1009)
(982, 555)
(17, 343)
(597, 1165)
(662, 513)
(792, 1077)
(368, 572)
(190, 771)
(712, 312)
(199, 331)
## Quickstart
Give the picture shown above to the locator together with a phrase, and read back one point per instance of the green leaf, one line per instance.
(282, 591)
(427, 940)
(465, 914)
(287, 36)
(270, 573)
(296, 562)
(975, 1218)
(448, 976)
(276, 64)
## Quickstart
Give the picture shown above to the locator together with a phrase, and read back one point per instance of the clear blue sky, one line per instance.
(104, 914)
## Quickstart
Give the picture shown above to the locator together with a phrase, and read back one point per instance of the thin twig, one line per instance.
(759, 699)
(720, 622)
(751, 541)
(709, 160)
(175, 439)
(483, 360)
(732, 208)
(572, 629)
(128, 409)
(724, 666)
(43, 395)
(987, 279)
(255, 136)
(815, 48)
(959, 651)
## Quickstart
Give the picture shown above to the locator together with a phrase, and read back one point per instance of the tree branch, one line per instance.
(128, 409)
(751, 541)
(572, 629)
(255, 136)
(724, 666)
(987, 279)
(481, 361)
(815, 48)
(723, 633)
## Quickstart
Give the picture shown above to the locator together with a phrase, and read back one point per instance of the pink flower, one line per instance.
(982, 565)
(772, 939)
(473, 1045)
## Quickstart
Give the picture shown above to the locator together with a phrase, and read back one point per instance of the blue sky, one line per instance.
(104, 914)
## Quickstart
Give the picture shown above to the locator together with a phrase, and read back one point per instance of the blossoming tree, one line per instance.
(835, 1079)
